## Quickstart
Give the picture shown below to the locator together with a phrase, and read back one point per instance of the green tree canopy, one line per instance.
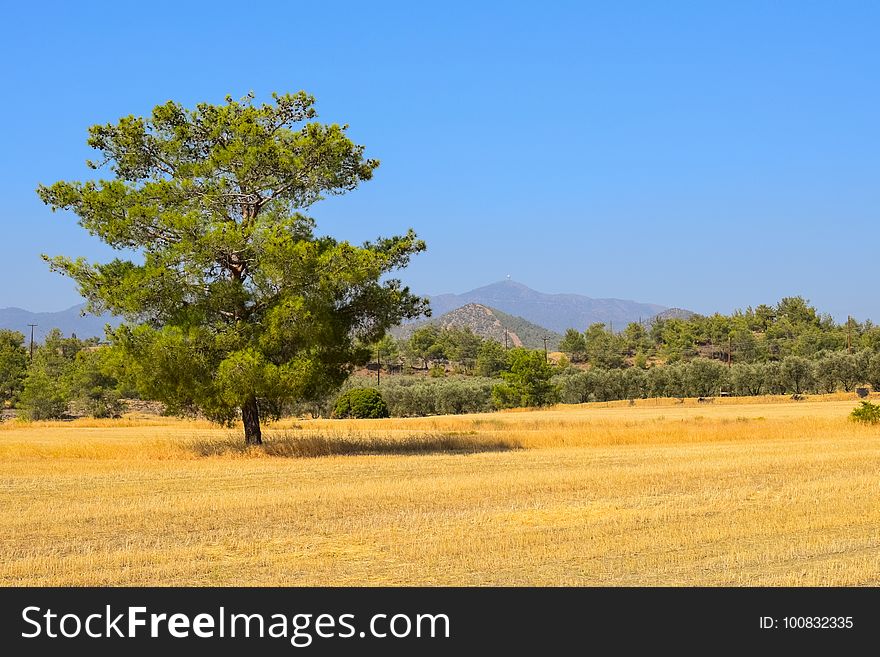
(705, 377)
(426, 344)
(46, 391)
(236, 303)
(492, 358)
(386, 350)
(528, 382)
(796, 374)
(604, 348)
(461, 346)
(91, 384)
(13, 365)
(574, 345)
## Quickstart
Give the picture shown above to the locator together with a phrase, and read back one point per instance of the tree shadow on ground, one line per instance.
(292, 445)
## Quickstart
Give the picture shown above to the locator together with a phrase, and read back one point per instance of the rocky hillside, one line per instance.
(672, 313)
(490, 323)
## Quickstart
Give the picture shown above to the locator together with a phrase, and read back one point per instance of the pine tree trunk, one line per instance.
(250, 417)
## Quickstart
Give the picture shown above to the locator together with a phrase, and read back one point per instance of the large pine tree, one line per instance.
(235, 305)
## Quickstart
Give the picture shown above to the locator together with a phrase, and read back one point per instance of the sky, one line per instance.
(709, 156)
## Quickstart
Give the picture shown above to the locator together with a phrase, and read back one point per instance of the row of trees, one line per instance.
(71, 375)
(528, 380)
(792, 328)
(65, 375)
(517, 377)
(413, 396)
(763, 334)
(703, 377)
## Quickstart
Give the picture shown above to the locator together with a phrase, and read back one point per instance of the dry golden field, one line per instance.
(763, 491)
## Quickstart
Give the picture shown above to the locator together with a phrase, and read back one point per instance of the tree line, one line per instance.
(789, 348)
(763, 334)
(64, 376)
(451, 370)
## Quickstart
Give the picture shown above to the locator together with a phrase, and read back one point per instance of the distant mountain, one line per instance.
(555, 311)
(489, 323)
(527, 313)
(69, 321)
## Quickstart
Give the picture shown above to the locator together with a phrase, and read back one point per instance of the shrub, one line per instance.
(634, 383)
(361, 403)
(98, 403)
(43, 397)
(748, 378)
(867, 413)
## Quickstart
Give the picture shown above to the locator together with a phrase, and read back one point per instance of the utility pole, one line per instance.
(729, 348)
(848, 334)
(505, 338)
(32, 341)
(378, 368)
(546, 359)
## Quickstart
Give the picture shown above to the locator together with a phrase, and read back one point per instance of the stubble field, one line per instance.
(764, 491)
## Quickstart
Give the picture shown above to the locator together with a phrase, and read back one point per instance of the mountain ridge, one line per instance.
(544, 312)
(70, 321)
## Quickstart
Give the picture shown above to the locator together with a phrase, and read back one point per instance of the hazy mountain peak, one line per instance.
(557, 312)
(70, 320)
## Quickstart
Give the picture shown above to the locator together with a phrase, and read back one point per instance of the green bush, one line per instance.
(91, 386)
(361, 403)
(43, 397)
(47, 392)
(13, 365)
(867, 413)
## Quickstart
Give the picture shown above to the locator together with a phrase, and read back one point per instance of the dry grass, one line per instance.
(768, 492)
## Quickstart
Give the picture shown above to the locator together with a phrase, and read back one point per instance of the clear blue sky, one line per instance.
(704, 155)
